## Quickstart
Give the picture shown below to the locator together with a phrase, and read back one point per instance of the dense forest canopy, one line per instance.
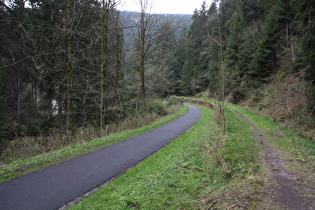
(75, 63)
(258, 38)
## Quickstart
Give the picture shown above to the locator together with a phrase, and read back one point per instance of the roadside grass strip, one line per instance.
(23, 166)
(184, 174)
(240, 152)
(298, 147)
(297, 152)
(281, 136)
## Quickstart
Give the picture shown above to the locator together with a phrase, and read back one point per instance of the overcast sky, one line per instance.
(165, 6)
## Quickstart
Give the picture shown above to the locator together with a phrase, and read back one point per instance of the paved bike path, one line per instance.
(52, 187)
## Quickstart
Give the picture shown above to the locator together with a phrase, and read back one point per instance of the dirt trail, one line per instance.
(287, 190)
(290, 189)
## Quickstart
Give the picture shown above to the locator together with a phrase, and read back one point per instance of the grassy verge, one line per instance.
(26, 165)
(297, 146)
(284, 138)
(298, 154)
(186, 173)
(240, 151)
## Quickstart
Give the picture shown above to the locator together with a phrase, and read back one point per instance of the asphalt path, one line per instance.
(52, 187)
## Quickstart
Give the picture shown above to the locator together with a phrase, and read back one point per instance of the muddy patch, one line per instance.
(289, 188)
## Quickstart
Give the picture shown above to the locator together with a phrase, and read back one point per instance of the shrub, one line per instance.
(154, 106)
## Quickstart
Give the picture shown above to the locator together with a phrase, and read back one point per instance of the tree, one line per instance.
(144, 43)
(106, 5)
(307, 16)
(265, 61)
(70, 33)
(213, 50)
(145, 40)
(111, 56)
(215, 37)
(194, 74)
(237, 55)
(3, 110)
(3, 103)
(160, 77)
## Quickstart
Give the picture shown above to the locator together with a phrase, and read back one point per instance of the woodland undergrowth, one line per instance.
(25, 147)
(285, 100)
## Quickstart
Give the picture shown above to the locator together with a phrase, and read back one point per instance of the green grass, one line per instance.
(285, 139)
(181, 175)
(23, 166)
(282, 137)
(241, 149)
(239, 154)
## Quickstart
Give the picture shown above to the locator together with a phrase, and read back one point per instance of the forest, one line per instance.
(76, 64)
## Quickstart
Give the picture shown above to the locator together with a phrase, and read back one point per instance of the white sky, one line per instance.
(165, 6)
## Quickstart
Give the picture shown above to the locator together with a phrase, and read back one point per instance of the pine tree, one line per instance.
(195, 69)
(164, 60)
(307, 16)
(236, 56)
(264, 61)
(3, 110)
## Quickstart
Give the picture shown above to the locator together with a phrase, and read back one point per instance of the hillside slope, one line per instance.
(285, 100)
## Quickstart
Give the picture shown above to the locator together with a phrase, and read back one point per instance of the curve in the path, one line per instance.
(52, 187)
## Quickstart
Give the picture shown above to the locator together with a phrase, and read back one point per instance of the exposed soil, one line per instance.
(285, 188)
(288, 184)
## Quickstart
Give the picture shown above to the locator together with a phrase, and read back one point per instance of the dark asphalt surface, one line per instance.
(52, 187)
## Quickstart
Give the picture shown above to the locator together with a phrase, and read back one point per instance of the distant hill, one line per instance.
(182, 21)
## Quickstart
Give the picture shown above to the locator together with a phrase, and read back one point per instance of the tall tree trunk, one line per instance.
(70, 66)
(287, 35)
(221, 103)
(103, 90)
(34, 93)
(119, 45)
(142, 54)
(19, 95)
(292, 47)
(119, 48)
(142, 86)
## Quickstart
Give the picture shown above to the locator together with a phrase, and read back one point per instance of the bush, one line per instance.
(155, 106)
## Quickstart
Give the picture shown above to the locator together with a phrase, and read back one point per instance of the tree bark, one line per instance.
(142, 54)
(19, 101)
(287, 34)
(103, 90)
(69, 66)
(119, 45)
